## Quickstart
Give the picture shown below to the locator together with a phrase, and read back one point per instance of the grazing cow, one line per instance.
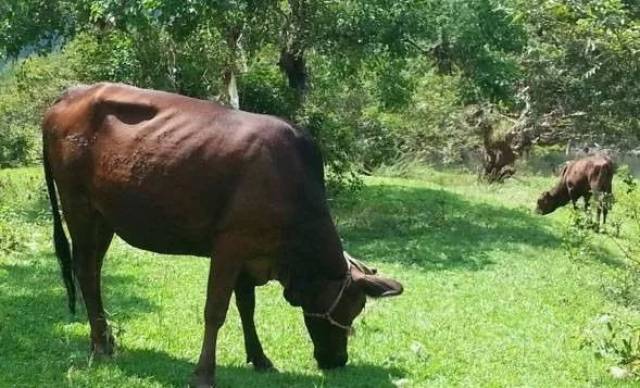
(581, 178)
(177, 175)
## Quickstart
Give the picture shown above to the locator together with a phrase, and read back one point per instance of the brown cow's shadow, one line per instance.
(43, 345)
(39, 339)
(168, 370)
(434, 229)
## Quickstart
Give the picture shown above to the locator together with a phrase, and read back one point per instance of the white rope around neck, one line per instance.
(327, 314)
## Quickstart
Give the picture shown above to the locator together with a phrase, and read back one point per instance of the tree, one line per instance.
(583, 69)
(33, 25)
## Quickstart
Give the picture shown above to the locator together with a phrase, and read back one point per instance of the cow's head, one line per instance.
(330, 313)
(546, 203)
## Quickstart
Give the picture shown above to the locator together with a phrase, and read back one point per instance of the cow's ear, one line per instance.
(365, 269)
(378, 287)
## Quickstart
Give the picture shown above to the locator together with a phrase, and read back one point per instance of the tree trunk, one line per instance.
(229, 94)
(442, 53)
(293, 64)
(292, 60)
(499, 157)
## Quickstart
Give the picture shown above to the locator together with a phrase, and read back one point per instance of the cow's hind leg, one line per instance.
(223, 273)
(607, 201)
(587, 198)
(604, 204)
(246, 301)
(91, 236)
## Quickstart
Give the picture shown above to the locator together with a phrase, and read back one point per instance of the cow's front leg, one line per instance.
(223, 274)
(572, 197)
(586, 198)
(246, 302)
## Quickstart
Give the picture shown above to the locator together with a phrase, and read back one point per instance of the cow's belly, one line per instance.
(165, 241)
(261, 270)
(159, 218)
(179, 219)
(146, 228)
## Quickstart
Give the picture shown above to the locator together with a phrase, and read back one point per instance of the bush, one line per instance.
(263, 88)
(577, 237)
(11, 240)
(23, 203)
(26, 91)
(430, 128)
(111, 57)
(618, 337)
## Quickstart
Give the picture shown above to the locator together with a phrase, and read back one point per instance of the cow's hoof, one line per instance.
(263, 364)
(104, 348)
(201, 381)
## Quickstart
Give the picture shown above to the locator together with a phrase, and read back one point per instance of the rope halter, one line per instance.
(327, 314)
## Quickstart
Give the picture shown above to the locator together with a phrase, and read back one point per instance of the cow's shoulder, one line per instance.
(269, 130)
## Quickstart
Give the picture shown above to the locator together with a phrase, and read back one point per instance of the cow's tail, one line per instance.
(59, 238)
(613, 166)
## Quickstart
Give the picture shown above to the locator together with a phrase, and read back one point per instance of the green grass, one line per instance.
(490, 298)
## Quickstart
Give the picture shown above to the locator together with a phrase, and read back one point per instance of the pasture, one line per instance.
(491, 298)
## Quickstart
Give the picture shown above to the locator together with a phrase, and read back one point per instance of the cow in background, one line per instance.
(581, 178)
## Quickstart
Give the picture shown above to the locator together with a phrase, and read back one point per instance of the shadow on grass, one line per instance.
(36, 329)
(434, 229)
(607, 256)
(168, 370)
(42, 345)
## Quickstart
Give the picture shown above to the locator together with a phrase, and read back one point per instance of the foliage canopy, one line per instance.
(375, 81)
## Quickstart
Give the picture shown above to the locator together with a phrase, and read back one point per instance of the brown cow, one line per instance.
(581, 178)
(177, 175)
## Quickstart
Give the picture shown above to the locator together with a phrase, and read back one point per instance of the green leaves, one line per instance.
(360, 65)
(583, 56)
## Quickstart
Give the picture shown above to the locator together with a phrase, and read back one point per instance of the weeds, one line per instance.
(577, 237)
(626, 237)
(615, 339)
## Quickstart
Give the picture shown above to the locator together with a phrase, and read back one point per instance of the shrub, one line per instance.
(618, 338)
(615, 339)
(26, 91)
(263, 88)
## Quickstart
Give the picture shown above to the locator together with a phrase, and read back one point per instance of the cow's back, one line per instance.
(170, 172)
(589, 174)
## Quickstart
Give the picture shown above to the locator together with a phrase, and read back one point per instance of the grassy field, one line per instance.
(491, 299)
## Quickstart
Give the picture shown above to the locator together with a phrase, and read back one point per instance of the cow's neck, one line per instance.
(316, 257)
(323, 253)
